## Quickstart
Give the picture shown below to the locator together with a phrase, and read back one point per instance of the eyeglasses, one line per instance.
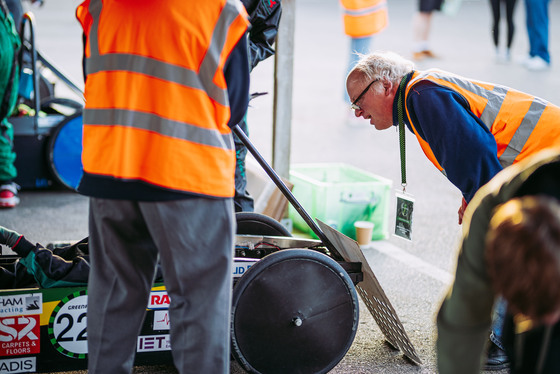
(354, 104)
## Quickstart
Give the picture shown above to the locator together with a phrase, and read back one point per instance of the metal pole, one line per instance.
(283, 82)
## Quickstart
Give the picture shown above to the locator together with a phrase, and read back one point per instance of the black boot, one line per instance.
(496, 358)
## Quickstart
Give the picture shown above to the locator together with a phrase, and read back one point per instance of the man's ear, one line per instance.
(388, 87)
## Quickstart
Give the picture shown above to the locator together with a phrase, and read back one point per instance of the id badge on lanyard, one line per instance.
(403, 217)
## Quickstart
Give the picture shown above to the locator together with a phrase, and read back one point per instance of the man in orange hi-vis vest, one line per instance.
(164, 81)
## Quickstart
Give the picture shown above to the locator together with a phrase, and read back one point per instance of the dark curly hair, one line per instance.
(523, 255)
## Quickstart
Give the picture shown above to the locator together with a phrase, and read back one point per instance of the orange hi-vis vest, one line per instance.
(521, 124)
(364, 17)
(156, 98)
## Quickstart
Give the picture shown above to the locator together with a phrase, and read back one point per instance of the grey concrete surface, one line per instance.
(415, 275)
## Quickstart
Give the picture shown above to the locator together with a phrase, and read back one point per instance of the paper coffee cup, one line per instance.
(364, 231)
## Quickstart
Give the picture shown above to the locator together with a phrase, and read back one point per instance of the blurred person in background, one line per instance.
(9, 83)
(421, 28)
(11, 17)
(363, 19)
(538, 32)
(503, 55)
(264, 17)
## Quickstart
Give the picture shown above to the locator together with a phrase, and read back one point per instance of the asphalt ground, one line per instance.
(415, 275)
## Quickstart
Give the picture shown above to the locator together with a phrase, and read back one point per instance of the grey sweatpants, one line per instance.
(194, 239)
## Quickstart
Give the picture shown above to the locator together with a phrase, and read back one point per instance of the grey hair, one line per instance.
(385, 65)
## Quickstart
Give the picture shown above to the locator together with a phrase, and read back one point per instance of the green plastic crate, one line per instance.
(339, 195)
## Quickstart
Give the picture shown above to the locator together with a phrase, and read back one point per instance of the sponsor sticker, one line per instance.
(18, 365)
(19, 335)
(153, 343)
(158, 300)
(161, 320)
(240, 266)
(18, 305)
(67, 325)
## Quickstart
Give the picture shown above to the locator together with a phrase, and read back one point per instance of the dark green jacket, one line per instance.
(9, 47)
(9, 82)
(465, 315)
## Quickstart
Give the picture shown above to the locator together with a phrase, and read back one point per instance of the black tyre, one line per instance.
(249, 223)
(51, 106)
(294, 311)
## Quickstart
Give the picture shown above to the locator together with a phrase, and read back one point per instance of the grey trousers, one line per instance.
(194, 240)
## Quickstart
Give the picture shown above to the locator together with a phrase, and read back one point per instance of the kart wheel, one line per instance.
(249, 223)
(294, 311)
(64, 151)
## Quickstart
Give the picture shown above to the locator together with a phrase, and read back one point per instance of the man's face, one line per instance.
(376, 103)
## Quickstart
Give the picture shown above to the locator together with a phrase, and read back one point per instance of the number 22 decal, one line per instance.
(63, 336)
(67, 325)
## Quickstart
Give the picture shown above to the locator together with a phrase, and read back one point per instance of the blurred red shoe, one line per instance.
(9, 195)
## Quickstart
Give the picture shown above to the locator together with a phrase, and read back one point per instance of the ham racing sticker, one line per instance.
(21, 305)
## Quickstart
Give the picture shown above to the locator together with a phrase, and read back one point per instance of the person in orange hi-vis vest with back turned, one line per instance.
(164, 81)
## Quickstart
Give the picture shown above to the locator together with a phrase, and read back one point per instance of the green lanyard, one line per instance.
(400, 118)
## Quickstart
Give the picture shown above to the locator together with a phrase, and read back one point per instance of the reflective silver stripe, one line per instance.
(523, 132)
(365, 11)
(95, 10)
(144, 65)
(163, 126)
(495, 99)
(210, 62)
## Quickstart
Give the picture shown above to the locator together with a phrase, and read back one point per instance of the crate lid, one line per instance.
(326, 174)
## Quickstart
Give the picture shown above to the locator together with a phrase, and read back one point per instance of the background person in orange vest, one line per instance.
(164, 82)
(470, 130)
(362, 20)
